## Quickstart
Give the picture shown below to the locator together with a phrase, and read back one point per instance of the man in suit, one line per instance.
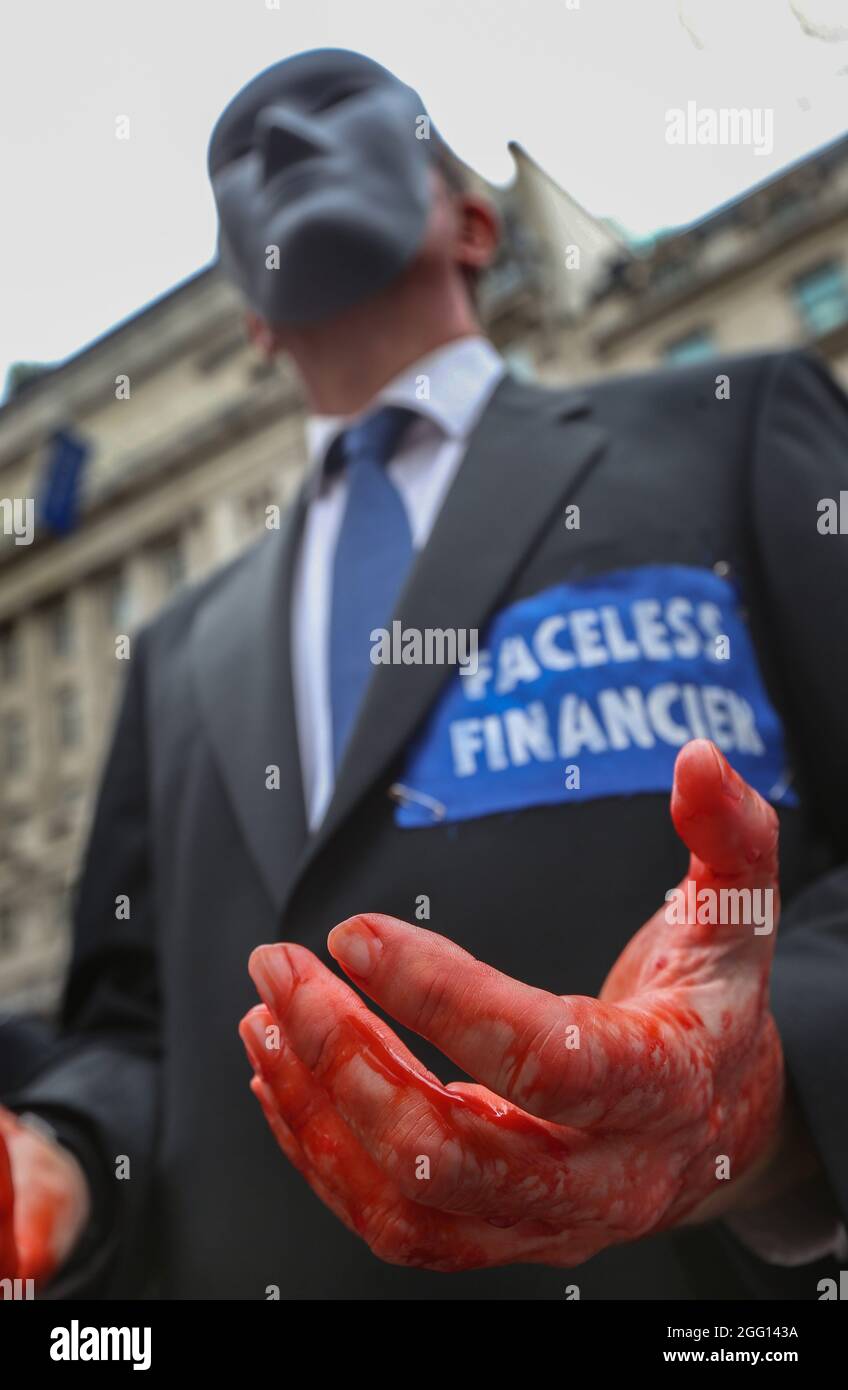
(646, 564)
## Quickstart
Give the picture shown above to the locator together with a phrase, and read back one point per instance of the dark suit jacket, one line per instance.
(25, 1047)
(214, 862)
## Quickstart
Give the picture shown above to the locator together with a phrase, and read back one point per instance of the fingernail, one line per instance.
(731, 783)
(355, 947)
(252, 1030)
(272, 974)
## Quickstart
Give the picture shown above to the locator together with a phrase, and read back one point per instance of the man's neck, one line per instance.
(343, 365)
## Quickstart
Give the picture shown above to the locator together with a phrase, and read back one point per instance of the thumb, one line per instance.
(730, 830)
(731, 833)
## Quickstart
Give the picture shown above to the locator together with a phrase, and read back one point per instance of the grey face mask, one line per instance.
(318, 158)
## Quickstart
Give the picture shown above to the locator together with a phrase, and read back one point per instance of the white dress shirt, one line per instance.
(448, 389)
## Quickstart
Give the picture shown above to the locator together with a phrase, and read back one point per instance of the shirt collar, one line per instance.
(462, 376)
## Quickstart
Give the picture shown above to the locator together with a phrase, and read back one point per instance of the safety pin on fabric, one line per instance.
(406, 795)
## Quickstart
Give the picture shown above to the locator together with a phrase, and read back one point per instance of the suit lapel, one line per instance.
(522, 462)
(241, 664)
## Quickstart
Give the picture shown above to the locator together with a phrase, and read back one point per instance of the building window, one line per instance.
(821, 296)
(254, 507)
(8, 930)
(170, 560)
(10, 653)
(68, 717)
(116, 597)
(669, 276)
(694, 347)
(61, 629)
(788, 208)
(72, 801)
(14, 743)
(63, 818)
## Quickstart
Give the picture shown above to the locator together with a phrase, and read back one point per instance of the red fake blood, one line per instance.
(8, 1253)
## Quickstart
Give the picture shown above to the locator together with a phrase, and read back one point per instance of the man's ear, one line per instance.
(478, 233)
(263, 337)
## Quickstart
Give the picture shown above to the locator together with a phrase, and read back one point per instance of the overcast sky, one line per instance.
(94, 227)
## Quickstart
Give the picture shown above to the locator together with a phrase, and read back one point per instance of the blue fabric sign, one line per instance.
(589, 690)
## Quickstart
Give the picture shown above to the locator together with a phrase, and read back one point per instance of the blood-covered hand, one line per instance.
(597, 1120)
(44, 1202)
(8, 1249)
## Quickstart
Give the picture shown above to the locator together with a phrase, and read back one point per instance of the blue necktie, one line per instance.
(373, 555)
